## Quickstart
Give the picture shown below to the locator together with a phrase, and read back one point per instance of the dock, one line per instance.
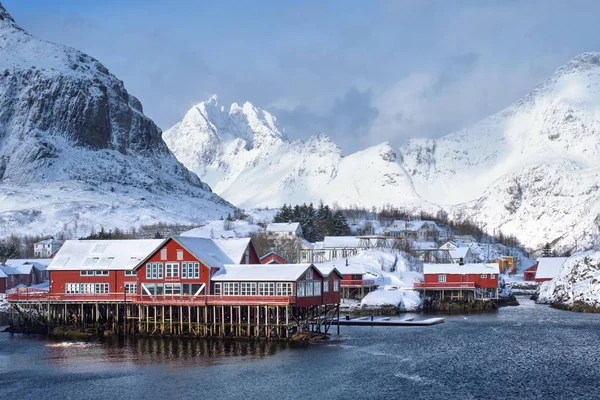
(364, 321)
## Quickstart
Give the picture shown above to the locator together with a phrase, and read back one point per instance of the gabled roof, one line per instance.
(235, 248)
(533, 268)
(352, 269)
(271, 253)
(40, 263)
(327, 270)
(20, 268)
(283, 227)
(50, 241)
(205, 250)
(549, 267)
(262, 272)
(76, 255)
(490, 268)
(2, 274)
(340, 242)
(460, 252)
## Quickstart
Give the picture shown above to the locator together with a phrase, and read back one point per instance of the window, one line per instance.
(231, 289)
(163, 254)
(173, 289)
(325, 286)
(247, 255)
(492, 276)
(190, 270)
(87, 288)
(102, 287)
(72, 288)
(130, 273)
(217, 289)
(336, 285)
(154, 271)
(441, 278)
(317, 288)
(300, 286)
(309, 289)
(179, 255)
(102, 273)
(483, 276)
(130, 288)
(266, 289)
(284, 289)
(309, 274)
(248, 289)
(86, 273)
(172, 270)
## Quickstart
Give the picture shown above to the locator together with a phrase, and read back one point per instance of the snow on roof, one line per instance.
(16, 269)
(491, 268)
(307, 244)
(205, 250)
(326, 270)
(533, 268)
(273, 253)
(549, 267)
(283, 227)
(459, 252)
(414, 225)
(49, 241)
(2, 273)
(353, 268)
(234, 248)
(102, 254)
(20, 266)
(340, 242)
(261, 272)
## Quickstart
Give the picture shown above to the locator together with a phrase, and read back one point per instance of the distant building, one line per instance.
(284, 229)
(417, 230)
(46, 248)
(529, 273)
(25, 272)
(460, 281)
(273, 258)
(548, 268)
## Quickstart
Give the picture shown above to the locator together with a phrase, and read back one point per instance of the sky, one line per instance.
(362, 72)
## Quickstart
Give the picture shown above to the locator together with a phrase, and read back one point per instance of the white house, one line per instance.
(463, 255)
(284, 229)
(46, 248)
(418, 230)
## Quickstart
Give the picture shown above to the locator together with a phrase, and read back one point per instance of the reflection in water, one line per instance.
(159, 350)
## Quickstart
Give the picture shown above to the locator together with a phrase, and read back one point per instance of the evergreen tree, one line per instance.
(158, 235)
(547, 250)
(322, 222)
(339, 225)
(285, 214)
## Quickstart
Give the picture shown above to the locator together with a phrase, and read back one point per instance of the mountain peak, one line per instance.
(6, 19)
(582, 62)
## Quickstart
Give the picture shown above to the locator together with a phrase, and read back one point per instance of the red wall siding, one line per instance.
(254, 258)
(332, 297)
(313, 300)
(115, 279)
(456, 278)
(2, 285)
(538, 280)
(172, 248)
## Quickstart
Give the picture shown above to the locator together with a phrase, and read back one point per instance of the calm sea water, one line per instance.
(524, 352)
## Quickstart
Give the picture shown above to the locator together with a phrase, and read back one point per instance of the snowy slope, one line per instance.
(76, 148)
(531, 170)
(247, 159)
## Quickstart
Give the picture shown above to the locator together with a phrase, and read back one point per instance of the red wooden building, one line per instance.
(548, 268)
(25, 272)
(239, 250)
(3, 277)
(460, 281)
(529, 273)
(273, 258)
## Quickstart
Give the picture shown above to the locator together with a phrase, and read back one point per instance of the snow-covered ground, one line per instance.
(405, 300)
(224, 229)
(577, 281)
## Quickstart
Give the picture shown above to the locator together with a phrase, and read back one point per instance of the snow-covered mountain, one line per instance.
(247, 159)
(76, 147)
(531, 170)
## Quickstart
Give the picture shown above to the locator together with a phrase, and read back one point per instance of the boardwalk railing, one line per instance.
(147, 299)
(444, 285)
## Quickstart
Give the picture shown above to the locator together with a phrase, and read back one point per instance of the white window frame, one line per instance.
(300, 289)
(493, 276)
(102, 273)
(309, 289)
(266, 289)
(325, 286)
(86, 273)
(218, 289)
(169, 289)
(248, 289)
(131, 287)
(102, 288)
(190, 270)
(284, 289)
(130, 273)
(179, 255)
(442, 278)
(231, 289)
(87, 288)
(336, 285)
(309, 274)
(317, 288)
(163, 254)
(483, 276)
(172, 270)
(72, 288)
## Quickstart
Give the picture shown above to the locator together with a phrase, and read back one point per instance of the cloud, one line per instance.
(347, 121)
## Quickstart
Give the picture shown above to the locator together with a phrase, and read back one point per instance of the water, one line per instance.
(524, 352)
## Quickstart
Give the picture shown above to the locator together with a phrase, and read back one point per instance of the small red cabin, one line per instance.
(25, 272)
(529, 273)
(481, 279)
(273, 258)
(548, 268)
